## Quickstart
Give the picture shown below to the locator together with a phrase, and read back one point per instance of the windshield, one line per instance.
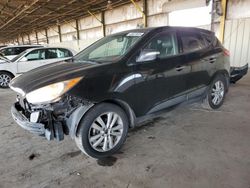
(18, 56)
(111, 48)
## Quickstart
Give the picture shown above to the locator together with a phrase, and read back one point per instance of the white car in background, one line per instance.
(11, 52)
(31, 59)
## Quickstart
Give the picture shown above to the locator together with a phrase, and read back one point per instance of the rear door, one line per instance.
(198, 58)
(162, 82)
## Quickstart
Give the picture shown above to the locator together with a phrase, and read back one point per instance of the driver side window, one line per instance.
(35, 55)
(164, 43)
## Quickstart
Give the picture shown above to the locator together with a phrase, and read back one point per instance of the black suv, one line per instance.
(120, 81)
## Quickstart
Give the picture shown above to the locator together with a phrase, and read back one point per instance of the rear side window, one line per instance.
(62, 53)
(51, 53)
(191, 42)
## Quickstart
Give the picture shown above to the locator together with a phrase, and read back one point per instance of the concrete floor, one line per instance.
(188, 147)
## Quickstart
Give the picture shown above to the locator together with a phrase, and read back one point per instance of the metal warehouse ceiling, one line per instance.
(23, 16)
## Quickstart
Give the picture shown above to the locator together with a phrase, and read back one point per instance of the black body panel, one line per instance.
(144, 87)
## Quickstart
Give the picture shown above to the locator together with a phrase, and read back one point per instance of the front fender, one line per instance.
(73, 121)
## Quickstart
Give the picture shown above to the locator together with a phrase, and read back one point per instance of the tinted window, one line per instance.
(19, 50)
(113, 48)
(35, 55)
(51, 53)
(210, 39)
(165, 43)
(7, 51)
(15, 50)
(62, 53)
(192, 42)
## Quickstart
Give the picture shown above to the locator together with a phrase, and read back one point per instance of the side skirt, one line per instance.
(169, 105)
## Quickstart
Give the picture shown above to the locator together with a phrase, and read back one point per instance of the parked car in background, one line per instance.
(31, 59)
(11, 52)
(119, 82)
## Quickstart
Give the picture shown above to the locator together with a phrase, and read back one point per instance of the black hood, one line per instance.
(49, 74)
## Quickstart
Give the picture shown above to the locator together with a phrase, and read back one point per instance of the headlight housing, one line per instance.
(51, 93)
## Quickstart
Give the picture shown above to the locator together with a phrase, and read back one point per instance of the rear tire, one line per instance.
(102, 131)
(216, 93)
(5, 79)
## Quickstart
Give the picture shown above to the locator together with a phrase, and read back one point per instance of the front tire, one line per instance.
(5, 79)
(216, 93)
(102, 131)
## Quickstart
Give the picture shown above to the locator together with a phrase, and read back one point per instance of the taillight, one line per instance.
(226, 52)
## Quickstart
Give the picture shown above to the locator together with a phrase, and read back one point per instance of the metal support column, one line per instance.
(29, 38)
(46, 35)
(60, 33)
(222, 20)
(22, 39)
(102, 21)
(37, 38)
(18, 42)
(77, 30)
(144, 12)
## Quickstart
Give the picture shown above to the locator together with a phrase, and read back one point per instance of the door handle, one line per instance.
(179, 68)
(210, 60)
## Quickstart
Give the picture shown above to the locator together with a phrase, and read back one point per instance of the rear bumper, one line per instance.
(23, 121)
(237, 73)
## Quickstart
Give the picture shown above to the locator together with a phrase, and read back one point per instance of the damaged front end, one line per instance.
(237, 73)
(51, 120)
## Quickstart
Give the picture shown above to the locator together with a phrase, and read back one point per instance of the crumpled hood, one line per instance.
(48, 74)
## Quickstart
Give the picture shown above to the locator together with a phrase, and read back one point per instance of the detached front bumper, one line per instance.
(23, 121)
(237, 73)
(52, 121)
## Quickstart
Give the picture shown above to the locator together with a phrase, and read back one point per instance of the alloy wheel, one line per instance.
(106, 132)
(218, 92)
(4, 80)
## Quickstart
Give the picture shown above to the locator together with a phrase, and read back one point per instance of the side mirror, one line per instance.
(147, 55)
(23, 59)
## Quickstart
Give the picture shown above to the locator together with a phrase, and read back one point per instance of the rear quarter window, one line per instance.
(210, 39)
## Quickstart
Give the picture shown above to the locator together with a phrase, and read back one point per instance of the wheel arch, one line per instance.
(127, 109)
(75, 119)
(5, 71)
(223, 73)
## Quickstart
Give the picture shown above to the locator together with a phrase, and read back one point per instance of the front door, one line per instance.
(31, 60)
(162, 82)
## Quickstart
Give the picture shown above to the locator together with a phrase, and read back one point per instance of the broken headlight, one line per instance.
(51, 93)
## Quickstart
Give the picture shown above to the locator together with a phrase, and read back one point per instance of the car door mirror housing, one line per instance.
(147, 55)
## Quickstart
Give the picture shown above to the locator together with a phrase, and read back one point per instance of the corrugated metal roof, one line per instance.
(22, 16)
